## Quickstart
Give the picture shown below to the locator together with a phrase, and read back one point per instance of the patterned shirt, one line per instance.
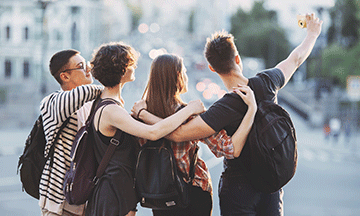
(220, 145)
(55, 109)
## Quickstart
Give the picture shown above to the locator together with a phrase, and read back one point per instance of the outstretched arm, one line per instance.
(192, 130)
(119, 118)
(300, 53)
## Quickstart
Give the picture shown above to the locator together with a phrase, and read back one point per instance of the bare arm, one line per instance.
(116, 117)
(301, 53)
(192, 130)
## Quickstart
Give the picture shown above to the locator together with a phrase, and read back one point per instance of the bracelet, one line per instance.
(138, 115)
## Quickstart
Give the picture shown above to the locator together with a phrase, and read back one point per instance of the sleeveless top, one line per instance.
(114, 194)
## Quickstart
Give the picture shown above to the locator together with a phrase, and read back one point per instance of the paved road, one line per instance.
(326, 182)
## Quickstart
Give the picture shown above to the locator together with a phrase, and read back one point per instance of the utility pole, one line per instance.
(44, 46)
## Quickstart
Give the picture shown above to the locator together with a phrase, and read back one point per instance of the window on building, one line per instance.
(26, 33)
(26, 69)
(8, 68)
(8, 32)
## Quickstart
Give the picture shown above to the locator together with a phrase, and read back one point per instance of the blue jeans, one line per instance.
(238, 197)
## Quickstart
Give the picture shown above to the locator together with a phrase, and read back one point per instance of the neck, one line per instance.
(65, 87)
(113, 92)
(232, 79)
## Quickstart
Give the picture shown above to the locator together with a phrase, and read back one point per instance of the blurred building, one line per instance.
(32, 31)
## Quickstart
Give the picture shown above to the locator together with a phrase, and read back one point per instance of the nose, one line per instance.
(88, 66)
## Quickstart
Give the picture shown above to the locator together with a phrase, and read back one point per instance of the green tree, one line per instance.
(337, 63)
(258, 34)
(191, 21)
(345, 24)
(136, 14)
(341, 58)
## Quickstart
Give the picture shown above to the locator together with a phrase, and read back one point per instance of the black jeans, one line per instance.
(238, 197)
(200, 205)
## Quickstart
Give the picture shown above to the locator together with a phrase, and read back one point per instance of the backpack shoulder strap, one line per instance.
(52, 148)
(114, 142)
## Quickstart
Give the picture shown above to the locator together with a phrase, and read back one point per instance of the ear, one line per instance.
(64, 77)
(237, 59)
(211, 68)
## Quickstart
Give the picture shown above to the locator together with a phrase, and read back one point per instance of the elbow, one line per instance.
(175, 137)
(153, 135)
(298, 60)
(236, 153)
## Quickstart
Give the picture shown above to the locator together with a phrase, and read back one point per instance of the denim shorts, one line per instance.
(238, 197)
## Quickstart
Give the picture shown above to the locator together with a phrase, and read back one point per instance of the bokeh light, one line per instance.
(214, 88)
(154, 27)
(143, 28)
(156, 52)
(207, 94)
(200, 86)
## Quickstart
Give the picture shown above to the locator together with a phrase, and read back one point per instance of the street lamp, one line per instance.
(44, 37)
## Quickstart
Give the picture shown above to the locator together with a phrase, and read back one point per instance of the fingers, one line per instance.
(242, 89)
(246, 94)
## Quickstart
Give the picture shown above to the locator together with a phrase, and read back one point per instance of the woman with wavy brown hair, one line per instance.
(114, 65)
(167, 81)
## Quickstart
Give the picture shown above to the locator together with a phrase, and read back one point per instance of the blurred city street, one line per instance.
(325, 87)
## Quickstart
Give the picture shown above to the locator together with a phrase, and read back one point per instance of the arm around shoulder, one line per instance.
(192, 130)
(120, 119)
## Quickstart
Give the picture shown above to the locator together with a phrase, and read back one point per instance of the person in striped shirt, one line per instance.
(72, 72)
(167, 81)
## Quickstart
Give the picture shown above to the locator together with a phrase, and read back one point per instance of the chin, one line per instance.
(90, 82)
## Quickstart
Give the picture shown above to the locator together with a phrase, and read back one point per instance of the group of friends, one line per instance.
(161, 113)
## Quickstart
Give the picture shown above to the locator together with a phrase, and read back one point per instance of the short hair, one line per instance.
(59, 60)
(220, 51)
(110, 62)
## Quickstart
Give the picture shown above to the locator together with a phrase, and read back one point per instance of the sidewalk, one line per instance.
(12, 142)
(313, 139)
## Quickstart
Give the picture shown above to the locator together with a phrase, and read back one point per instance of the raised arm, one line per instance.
(300, 53)
(119, 118)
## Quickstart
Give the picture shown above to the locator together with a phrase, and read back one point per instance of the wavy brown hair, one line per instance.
(111, 61)
(166, 83)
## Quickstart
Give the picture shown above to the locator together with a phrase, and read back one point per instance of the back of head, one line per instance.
(164, 85)
(220, 52)
(59, 60)
(111, 61)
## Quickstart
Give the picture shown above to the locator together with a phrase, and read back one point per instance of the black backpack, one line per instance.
(32, 161)
(272, 143)
(158, 183)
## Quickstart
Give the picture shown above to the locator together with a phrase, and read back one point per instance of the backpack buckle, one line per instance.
(114, 141)
(96, 180)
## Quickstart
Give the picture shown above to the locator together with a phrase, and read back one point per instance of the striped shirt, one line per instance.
(55, 109)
